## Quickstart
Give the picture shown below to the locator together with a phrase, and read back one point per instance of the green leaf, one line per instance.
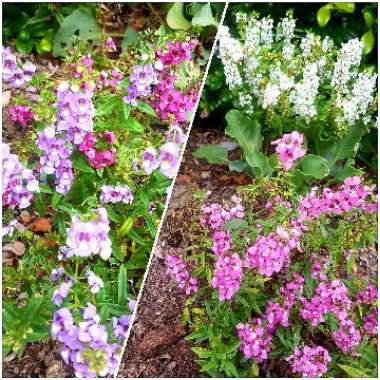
(145, 108)
(368, 40)
(107, 105)
(39, 204)
(237, 165)
(80, 164)
(132, 125)
(324, 15)
(257, 160)
(126, 227)
(122, 286)
(255, 369)
(353, 372)
(204, 16)
(176, 19)
(126, 110)
(55, 199)
(24, 47)
(247, 132)
(346, 7)
(315, 166)
(203, 353)
(130, 37)
(234, 224)
(82, 23)
(136, 237)
(346, 147)
(45, 189)
(368, 18)
(214, 154)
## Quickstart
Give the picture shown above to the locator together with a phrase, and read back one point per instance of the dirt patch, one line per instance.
(157, 345)
(39, 360)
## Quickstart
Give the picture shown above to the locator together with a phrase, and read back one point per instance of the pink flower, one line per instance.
(111, 44)
(289, 149)
(180, 272)
(22, 115)
(347, 337)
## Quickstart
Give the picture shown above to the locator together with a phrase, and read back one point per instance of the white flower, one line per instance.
(271, 94)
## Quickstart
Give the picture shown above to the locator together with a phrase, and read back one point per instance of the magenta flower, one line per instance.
(347, 337)
(289, 149)
(311, 362)
(255, 340)
(180, 272)
(111, 44)
(22, 115)
(227, 276)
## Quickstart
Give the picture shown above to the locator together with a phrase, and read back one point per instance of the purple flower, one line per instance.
(180, 272)
(227, 276)
(9, 229)
(312, 362)
(18, 183)
(276, 315)
(141, 79)
(120, 326)
(57, 274)
(255, 340)
(169, 159)
(175, 135)
(368, 295)
(95, 282)
(29, 70)
(115, 194)
(347, 337)
(88, 236)
(370, 322)
(62, 292)
(149, 160)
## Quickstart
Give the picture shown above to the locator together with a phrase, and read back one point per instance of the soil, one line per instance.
(157, 345)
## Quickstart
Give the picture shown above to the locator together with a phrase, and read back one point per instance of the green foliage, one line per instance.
(81, 23)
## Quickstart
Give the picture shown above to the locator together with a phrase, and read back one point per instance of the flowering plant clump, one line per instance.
(300, 102)
(85, 187)
(273, 284)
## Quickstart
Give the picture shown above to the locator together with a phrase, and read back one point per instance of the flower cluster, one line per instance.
(350, 195)
(271, 253)
(115, 194)
(88, 235)
(121, 324)
(276, 315)
(21, 115)
(167, 161)
(262, 68)
(18, 183)
(328, 298)
(97, 159)
(222, 242)
(75, 112)
(289, 149)
(85, 344)
(255, 341)
(368, 295)
(55, 158)
(370, 322)
(227, 275)
(62, 292)
(17, 76)
(180, 272)
(215, 215)
(311, 362)
(347, 337)
(141, 79)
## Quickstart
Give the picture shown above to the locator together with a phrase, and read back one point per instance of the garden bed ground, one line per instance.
(156, 346)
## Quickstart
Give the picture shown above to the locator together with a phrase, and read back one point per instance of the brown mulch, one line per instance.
(157, 345)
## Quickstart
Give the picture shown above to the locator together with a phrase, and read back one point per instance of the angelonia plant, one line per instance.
(272, 280)
(285, 82)
(103, 143)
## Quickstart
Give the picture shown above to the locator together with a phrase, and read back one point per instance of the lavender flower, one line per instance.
(62, 292)
(18, 183)
(88, 235)
(95, 282)
(141, 79)
(149, 160)
(169, 159)
(115, 194)
(57, 274)
(9, 229)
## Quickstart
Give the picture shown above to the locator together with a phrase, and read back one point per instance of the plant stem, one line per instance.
(162, 21)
